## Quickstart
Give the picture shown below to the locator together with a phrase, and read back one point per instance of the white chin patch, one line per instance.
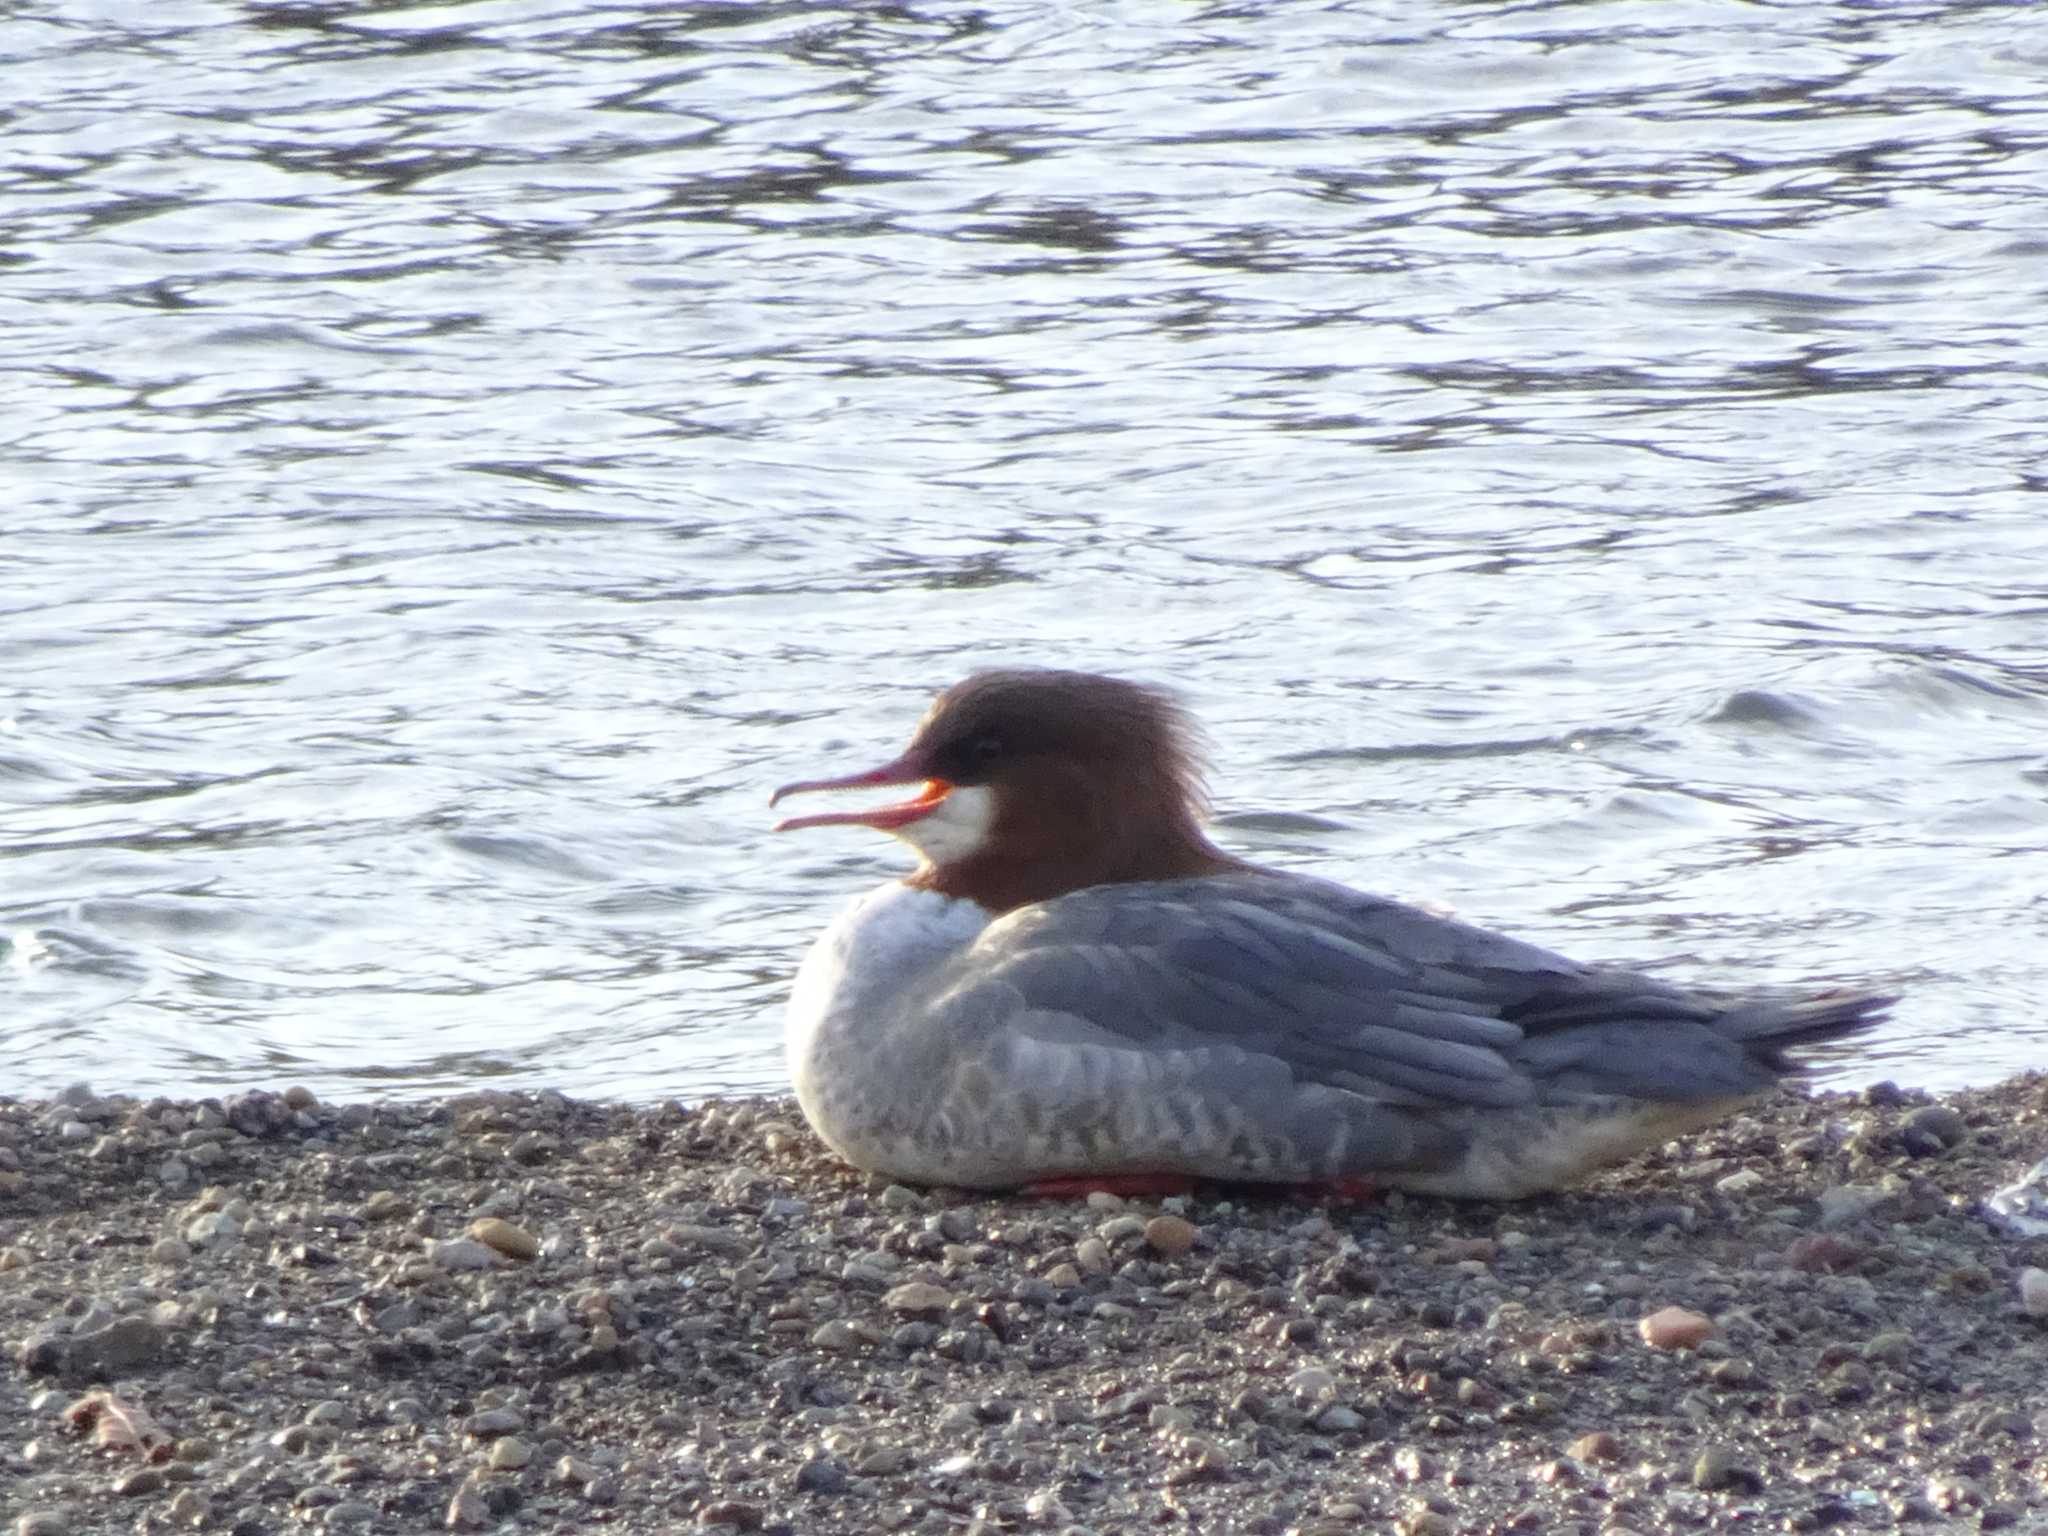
(957, 829)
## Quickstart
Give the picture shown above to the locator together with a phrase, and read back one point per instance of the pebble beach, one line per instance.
(524, 1313)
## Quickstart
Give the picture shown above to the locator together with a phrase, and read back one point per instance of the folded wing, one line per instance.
(1365, 995)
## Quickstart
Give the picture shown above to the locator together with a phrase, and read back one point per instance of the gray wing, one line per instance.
(1361, 994)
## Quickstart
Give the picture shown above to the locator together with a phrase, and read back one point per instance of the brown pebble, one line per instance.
(1823, 1253)
(1598, 1446)
(467, 1510)
(1454, 1250)
(141, 1480)
(1675, 1328)
(1170, 1235)
(513, 1241)
(918, 1296)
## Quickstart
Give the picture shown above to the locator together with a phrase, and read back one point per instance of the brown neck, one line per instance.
(1073, 840)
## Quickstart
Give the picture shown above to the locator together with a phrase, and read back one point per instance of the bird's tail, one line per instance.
(1766, 1030)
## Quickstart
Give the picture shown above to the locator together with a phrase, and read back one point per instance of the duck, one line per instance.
(1076, 988)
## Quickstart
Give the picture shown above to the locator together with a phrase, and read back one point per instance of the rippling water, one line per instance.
(1584, 460)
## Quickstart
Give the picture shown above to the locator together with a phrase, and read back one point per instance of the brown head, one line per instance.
(1036, 783)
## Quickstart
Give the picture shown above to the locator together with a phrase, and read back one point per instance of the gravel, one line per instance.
(528, 1314)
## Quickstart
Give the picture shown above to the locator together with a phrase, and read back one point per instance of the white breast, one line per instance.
(854, 974)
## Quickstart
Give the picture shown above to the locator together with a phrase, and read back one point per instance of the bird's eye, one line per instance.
(985, 749)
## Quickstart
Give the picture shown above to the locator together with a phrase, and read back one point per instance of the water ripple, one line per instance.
(1581, 461)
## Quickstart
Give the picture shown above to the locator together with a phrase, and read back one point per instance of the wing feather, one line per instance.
(1360, 993)
(1291, 970)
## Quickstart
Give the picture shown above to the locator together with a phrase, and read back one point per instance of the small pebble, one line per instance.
(514, 1242)
(736, 1513)
(1675, 1328)
(122, 1346)
(1046, 1509)
(488, 1423)
(1171, 1236)
(821, 1474)
(1120, 1229)
(1846, 1204)
(1891, 1348)
(1312, 1381)
(1823, 1253)
(917, 1296)
(2034, 1291)
(881, 1461)
(838, 1335)
(1456, 1250)
(462, 1253)
(212, 1229)
(1939, 1121)
(1597, 1446)
(467, 1510)
(1412, 1466)
(1716, 1467)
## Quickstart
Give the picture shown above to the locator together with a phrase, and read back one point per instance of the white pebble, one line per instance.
(2034, 1291)
(462, 1253)
(213, 1228)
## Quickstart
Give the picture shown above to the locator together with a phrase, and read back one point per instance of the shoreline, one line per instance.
(523, 1311)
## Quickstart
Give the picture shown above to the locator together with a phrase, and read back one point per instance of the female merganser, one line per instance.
(1077, 985)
